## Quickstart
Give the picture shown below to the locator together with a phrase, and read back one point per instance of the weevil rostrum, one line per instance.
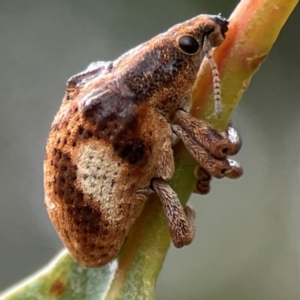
(110, 144)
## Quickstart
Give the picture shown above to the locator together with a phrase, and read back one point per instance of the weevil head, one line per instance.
(189, 36)
(181, 45)
(178, 51)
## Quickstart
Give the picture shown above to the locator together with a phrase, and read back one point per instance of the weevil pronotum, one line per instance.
(110, 144)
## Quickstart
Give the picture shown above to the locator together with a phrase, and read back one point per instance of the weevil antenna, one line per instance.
(216, 78)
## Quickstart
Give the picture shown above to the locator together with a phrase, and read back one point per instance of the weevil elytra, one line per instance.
(110, 144)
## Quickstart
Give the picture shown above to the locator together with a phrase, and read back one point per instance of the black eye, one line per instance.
(188, 44)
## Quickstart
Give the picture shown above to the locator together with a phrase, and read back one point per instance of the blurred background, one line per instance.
(247, 244)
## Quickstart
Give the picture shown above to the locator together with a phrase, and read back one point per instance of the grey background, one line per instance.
(247, 244)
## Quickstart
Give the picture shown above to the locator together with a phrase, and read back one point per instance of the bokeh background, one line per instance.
(248, 231)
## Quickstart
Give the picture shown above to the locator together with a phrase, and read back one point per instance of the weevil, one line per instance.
(110, 144)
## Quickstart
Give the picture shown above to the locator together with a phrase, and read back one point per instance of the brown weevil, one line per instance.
(110, 144)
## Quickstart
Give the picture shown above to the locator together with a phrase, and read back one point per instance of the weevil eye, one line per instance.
(188, 44)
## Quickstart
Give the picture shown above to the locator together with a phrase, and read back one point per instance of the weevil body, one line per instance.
(110, 144)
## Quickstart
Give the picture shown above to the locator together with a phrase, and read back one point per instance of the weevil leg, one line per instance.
(202, 186)
(219, 144)
(174, 139)
(181, 221)
(162, 149)
(217, 167)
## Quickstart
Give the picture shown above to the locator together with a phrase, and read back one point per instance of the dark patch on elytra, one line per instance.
(133, 151)
(63, 181)
(80, 130)
(124, 138)
(127, 144)
(79, 208)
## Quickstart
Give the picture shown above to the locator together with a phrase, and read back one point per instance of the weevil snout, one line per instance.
(217, 35)
(222, 22)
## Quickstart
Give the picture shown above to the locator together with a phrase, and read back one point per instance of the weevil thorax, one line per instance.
(164, 69)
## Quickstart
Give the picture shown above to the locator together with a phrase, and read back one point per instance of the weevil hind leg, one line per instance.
(181, 221)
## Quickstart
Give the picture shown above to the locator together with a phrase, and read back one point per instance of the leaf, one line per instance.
(254, 27)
